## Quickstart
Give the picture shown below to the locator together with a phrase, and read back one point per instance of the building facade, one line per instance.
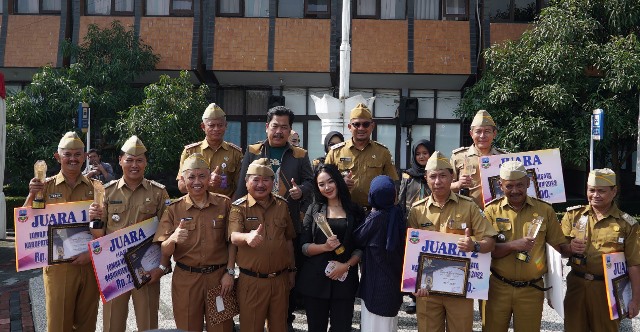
(253, 52)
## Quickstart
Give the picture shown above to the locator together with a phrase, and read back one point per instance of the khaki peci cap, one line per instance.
(482, 118)
(70, 140)
(261, 167)
(133, 146)
(195, 161)
(604, 177)
(361, 111)
(512, 170)
(213, 112)
(437, 161)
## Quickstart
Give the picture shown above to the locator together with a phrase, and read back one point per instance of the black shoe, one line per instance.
(411, 309)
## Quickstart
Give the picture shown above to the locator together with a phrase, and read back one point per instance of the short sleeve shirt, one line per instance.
(57, 190)
(457, 161)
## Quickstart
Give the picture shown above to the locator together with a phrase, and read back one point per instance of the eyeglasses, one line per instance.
(363, 124)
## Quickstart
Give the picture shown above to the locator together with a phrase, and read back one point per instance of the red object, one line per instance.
(3, 91)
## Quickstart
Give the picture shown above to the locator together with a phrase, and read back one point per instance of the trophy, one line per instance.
(98, 199)
(321, 221)
(467, 169)
(39, 172)
(581, 228)
(532, 232)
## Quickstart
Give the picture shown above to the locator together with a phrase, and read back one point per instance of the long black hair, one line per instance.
(343, 191)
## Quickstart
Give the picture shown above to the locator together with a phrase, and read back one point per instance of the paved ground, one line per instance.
(22, 306)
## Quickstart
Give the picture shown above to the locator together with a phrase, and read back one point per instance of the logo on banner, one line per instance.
(22, 216)
(608, 262)
(414, 237)
(485, 162)
(97, 249)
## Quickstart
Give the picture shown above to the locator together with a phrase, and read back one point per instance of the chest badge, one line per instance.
(115, 217)
(616, 228)
(373, 156)
(147, 199)
(226, 158)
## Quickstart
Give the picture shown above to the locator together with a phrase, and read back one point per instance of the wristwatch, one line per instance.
(97, 224)
(163, 268)
(231, 272)
(476, 246)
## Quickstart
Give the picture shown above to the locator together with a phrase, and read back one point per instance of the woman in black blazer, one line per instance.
(327, 298)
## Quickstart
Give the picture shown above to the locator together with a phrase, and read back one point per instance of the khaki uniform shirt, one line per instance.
(206, 244)
(457, 161)
(56, 190)
(616, 232)
(457, 214)
(514, 225)
(124, 206)
(366, 164)
(272, 255)
(228, 157)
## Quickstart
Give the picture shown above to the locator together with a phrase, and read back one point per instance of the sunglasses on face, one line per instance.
(363, 124)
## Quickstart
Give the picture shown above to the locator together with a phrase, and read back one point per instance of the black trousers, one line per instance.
(321, 311)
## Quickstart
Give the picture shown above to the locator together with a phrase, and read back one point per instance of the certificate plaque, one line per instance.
(443, 275)
(141, 259)
(67, 241)
(622, 293)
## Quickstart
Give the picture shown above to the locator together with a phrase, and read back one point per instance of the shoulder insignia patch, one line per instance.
(492, 201)
(280, 197)
(629, 219)
(460, 149)
(235, 146)
(501, 150)
(298, 152)
(418, 202)
(157, 184)
(49, 179)
(339, 145)
(465, 198)
(575, 207)
(240, 200)
(382, 145)
(110, 183)
(192, 145)
(174, 201)
(255, 148)
(541, 200)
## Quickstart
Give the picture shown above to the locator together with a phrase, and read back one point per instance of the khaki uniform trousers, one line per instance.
(146, 303)
(263, 299)
(436, 312)
(72, 296)
(586, 307)
(504, 300)
(189, 298)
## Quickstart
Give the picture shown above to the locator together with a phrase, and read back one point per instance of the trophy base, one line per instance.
(339, 250)
(523, 256)
(578, 260)
(37, 204)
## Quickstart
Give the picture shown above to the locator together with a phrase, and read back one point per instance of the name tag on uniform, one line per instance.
(55, 195)
(502, 219)
(345, 159)
(463, 225)
(428, 224)
(252, 218)
(115, 202)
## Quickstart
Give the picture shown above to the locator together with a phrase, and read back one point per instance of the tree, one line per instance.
(580, 55)
(167, 118)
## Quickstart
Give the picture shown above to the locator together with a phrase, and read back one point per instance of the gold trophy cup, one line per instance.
(98, 195)
(581, 234)
(39, 172)
(532, 232)
(321, 221)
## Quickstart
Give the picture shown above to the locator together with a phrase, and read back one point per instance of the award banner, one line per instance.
(615, 268)
(108, 257)
(421, 241)
(544, 167)
(32, 230)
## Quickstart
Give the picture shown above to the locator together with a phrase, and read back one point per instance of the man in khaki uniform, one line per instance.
(193, 230)
(467, 181)
(447, 212)
(71, 290)
(361, 159)
(519, 260)
(127, 201)
(260, 225)
(606, 230)
(223, 157)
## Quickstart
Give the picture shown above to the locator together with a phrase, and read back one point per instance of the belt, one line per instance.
(587, 276)
(261, 275)
(520, 284)
(205, 270)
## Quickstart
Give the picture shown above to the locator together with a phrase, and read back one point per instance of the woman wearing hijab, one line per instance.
(382, 239)
(326, 297)
(414, 187)
(331, 139)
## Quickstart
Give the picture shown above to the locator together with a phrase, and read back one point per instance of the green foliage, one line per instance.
(168, 117)
(580, 55)
(12, 203)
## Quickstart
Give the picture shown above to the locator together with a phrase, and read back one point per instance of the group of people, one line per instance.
(281, 232)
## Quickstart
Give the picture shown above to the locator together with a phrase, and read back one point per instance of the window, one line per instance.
(230, 8)
(109, 7)
(291, 8)
(454, 9)
(169, 7)
(256, 8)
(427, 10)
(367, 9)
(515, 10)
(38, 6)
(393, 9)
(317, 8)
